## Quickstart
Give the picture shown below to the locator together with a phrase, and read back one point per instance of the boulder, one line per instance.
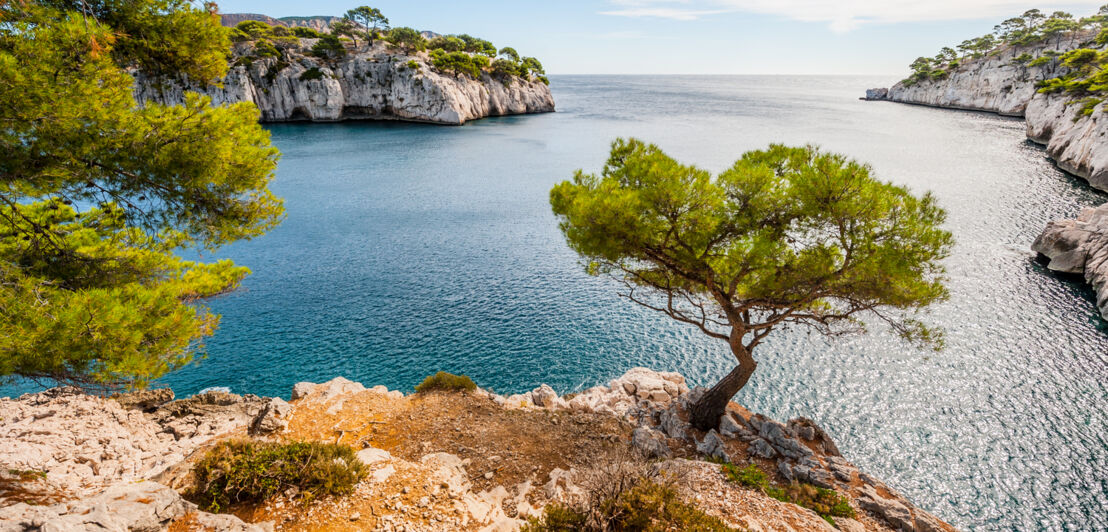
(1080, 247)
(144, 400)
(372, 455)
(877, 94)
(650, 442)
(273, 418)
(546, 397)
(712, 446)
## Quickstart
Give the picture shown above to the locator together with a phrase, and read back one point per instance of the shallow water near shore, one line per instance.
(410, 249)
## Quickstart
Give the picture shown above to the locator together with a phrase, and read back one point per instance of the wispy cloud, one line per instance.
(843, 15)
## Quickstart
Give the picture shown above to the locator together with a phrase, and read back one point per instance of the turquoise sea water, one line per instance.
(410, 249)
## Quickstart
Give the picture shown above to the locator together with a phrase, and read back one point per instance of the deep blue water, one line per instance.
(410, 249)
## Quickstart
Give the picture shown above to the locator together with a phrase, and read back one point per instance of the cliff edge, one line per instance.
(447, 460)
(378, 82)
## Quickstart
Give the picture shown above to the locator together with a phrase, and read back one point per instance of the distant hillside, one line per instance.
(318, 23)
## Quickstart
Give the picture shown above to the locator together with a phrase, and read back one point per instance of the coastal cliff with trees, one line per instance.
(360, 68)
(1051, 70)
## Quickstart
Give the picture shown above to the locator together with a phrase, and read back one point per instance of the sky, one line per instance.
(788, 37)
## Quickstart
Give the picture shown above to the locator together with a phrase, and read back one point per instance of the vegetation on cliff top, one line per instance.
(454, 54)
(785, 237)
(1033, 27)
(99, 193)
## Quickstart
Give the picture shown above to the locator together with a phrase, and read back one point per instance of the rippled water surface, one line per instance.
(411, 248)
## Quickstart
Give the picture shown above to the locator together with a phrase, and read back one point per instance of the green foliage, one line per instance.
(311, 73)
(446, 382)
(265, 48)
(408, 38)
(412, 64)
(250, 472)
(647, 507)
(505, 68)
(1088, 105)
(509, 53)
(1028, 29)
(329, 47)
(531, 66)
(255, 29)
(474, 45)
(447, 44)
(786, 236)
(827, 503)
(750, 476)
(458, 63)
(367, 17)
(99, 193)
(347, 28)
(544, 80)
(306, 33)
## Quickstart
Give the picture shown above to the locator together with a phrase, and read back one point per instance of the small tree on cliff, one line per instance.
(785, 237)
(370, 18)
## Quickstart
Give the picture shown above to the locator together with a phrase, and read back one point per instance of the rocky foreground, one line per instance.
(1076, 140)
(379, 82)
(439, 461)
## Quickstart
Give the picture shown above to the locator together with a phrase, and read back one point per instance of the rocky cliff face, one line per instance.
(379, 83)
(994, 83)
(1077, 141)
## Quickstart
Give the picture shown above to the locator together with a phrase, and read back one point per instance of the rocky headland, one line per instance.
(378, 82)
(1072, 131)
(469, 460)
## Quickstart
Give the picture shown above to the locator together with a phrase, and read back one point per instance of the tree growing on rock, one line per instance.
(98, 193)
(786, 237)
(346, 28)
(370, 18)
(408, 39)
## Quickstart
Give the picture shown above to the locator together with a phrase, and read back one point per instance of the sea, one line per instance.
(411, 248)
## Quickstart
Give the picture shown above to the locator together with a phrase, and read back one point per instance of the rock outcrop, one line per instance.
(375, 83)
(122, 469)
(1075, 137)
(1080, 247)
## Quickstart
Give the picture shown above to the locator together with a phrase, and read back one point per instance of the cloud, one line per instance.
(846, 15)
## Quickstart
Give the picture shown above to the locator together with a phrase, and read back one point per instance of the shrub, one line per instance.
(255, 29)
(544, 80)
(243, 471)
(329, 47)
(264, 48)
(306, 33)
(646, 506)
(447, 44)
(311, 73)
(447, 382)
(827, 503)
(457, 62)
(407, 38)
(750, 476)
(412, 64)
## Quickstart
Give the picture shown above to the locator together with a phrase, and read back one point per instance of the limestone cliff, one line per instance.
(378, 83)
(1075, 137)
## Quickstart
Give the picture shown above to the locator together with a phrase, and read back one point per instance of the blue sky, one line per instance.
(877, 37)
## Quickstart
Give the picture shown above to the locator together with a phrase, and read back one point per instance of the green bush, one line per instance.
(306, 33)
(329, 47)
(412, 64)
(750, 476)
(443, 381)
(243, 472)
(264, 48)
(827, 503)
(648, 506)
(311, 73)
(255, 29)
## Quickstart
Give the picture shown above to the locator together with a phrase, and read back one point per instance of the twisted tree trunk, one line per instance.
(705, 413)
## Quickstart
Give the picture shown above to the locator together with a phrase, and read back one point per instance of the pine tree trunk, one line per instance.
(706, 412)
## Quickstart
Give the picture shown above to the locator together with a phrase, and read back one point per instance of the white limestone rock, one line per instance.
(373, 83)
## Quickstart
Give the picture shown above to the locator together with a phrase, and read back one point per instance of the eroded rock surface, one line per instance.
(380, 83)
